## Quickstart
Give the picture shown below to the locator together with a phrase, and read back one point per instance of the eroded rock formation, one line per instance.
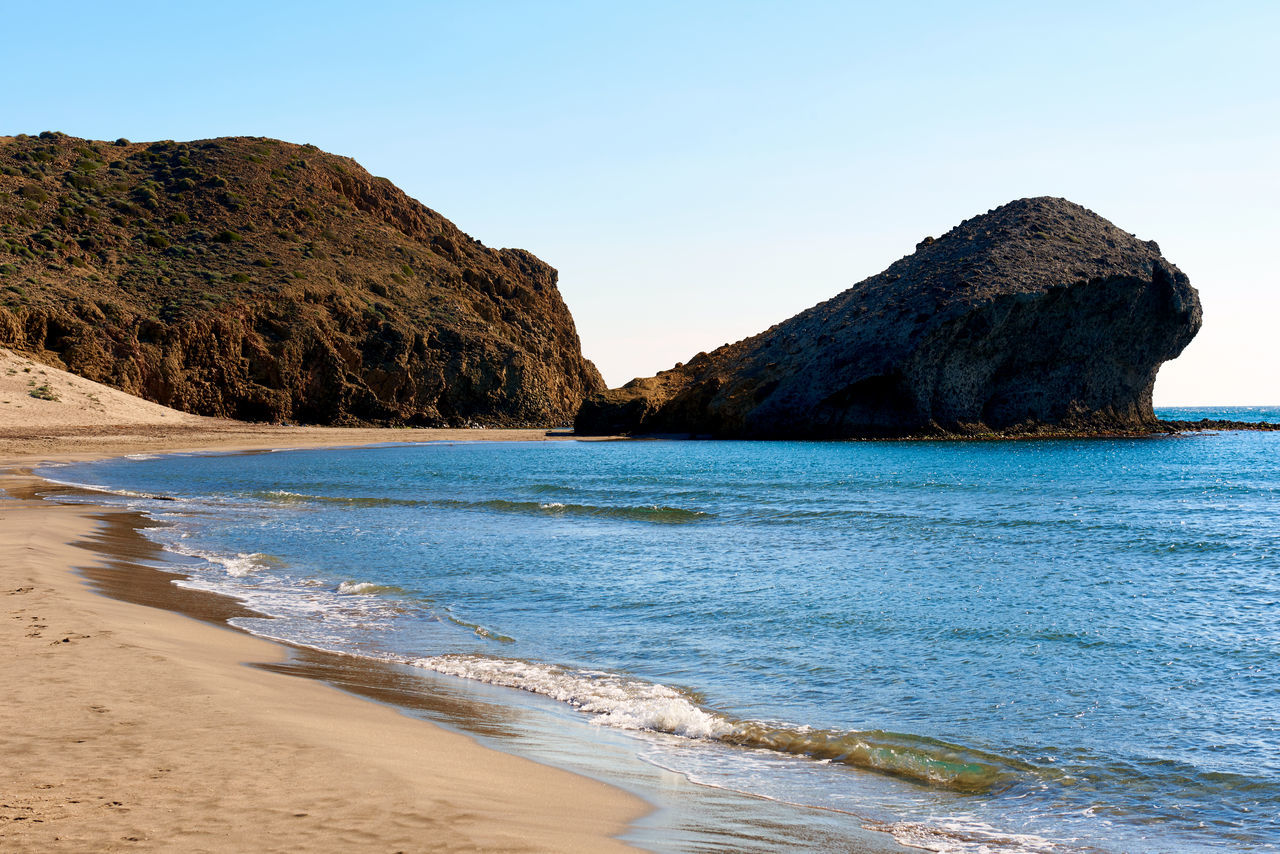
(1038, 316)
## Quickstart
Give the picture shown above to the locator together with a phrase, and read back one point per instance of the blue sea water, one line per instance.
(976, 646)
(1255, 414)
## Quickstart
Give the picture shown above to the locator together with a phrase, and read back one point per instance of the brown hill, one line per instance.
(1036, 317)
(262, 280)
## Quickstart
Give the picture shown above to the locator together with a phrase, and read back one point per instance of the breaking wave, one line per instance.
(633, 704)
(239, 565)
(367, 588)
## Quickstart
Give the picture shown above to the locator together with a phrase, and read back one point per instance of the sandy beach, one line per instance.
(131, 727)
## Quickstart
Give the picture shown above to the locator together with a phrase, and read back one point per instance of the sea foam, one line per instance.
(366, 588)
(626, 703)
(239, 565)
(611, 699)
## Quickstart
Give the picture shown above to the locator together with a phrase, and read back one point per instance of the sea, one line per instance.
(976, 646)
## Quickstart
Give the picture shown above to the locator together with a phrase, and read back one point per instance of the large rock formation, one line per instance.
(262, 280)
(1038, 316)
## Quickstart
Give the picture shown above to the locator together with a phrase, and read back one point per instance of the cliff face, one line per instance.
(1038, 316)
(257, 279)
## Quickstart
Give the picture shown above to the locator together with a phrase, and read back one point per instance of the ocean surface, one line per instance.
(1044, 646)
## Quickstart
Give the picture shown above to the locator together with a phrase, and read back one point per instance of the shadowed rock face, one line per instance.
(262, 280)
(1036, 317)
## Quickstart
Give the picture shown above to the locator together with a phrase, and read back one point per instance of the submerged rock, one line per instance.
(1036, 317)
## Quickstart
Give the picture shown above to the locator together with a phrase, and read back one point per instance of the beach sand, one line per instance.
(127, 727)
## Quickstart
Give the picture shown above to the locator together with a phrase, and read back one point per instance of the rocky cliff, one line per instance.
(1036, 317)
(261, 280)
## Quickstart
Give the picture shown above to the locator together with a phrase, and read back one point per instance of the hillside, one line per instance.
(1036, 317)
(257, 279)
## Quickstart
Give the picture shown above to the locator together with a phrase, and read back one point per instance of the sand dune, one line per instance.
(33, 394)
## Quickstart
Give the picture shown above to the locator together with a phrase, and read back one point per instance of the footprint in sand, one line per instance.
(69, 639)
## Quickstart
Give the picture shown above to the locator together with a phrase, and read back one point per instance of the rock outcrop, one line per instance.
(268, 281)
(1036, 317)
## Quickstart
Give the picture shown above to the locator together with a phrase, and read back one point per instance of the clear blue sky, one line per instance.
(700, 171)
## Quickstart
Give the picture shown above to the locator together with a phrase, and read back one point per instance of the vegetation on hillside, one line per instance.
(260, 279)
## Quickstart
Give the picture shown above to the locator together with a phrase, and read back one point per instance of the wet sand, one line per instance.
(127, 726)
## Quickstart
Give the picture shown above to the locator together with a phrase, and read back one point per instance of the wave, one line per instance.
(911, 757)
(96, 487)
(281, 496)
(639, 513)
(633, 704)
(547, 488)
(480, 630)
(367, 588)
(239, 565)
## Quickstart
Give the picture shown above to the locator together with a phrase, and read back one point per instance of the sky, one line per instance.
(699, 171)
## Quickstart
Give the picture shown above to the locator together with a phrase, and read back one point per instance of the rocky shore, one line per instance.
(1037, 318)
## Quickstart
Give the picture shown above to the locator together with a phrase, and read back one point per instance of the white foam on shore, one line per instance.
(612, 700)
(239, 565)
(960, 835)
(301, 607)
(92, 487)
(300, 610)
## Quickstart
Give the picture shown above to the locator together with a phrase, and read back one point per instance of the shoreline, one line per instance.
(145, 729)
(581, 794)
